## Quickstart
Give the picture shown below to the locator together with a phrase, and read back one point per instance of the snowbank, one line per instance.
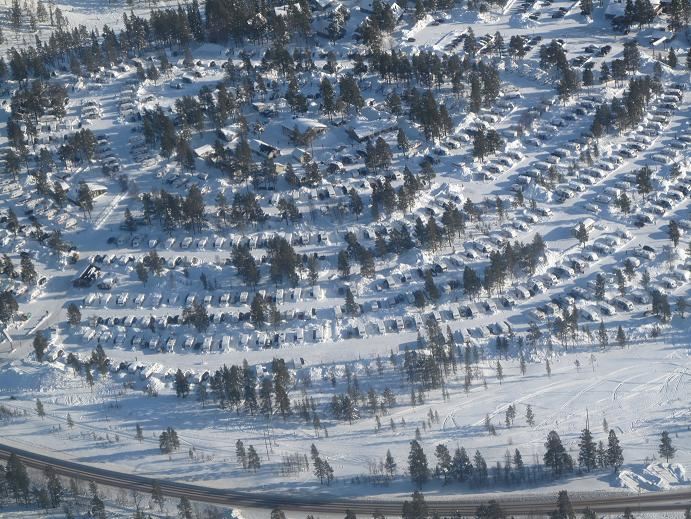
(655, 477)
(421, 24)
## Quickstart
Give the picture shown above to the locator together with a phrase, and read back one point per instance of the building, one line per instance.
(263, 149)
(302, 130)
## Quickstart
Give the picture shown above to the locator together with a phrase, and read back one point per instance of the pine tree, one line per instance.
(130, 223)
(587, 451)
(40, 411)
(343, 264)
(417, 464)
(28, 273)
(351, 307)
(674, 232)
(185, 509)
(182, 385)
(74, 315)
(518, 464)
(500, 372)
(17, 478)
(462, 467)
(53, 486)
(389, 464)
(157, 495)
(40, 344)
(672, 58)
(582, 234)
(601, 455)
(98, 507)
(480, 475)
(564, 508)
(415, 509)
(602, 336)
(240, 454)
(443, 462)
(253, 462)
(556, 458)
(529, 416)
(614, 453)
(666, 449)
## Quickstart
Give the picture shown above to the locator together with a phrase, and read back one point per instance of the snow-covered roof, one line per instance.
(303, 125)
(203, 151)
(282, 10)
(264, 148)
(371, 122)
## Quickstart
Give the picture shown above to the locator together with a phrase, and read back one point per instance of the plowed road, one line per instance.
(527, 505)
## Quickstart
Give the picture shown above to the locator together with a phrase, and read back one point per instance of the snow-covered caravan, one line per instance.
(419, 323)
(607, 308)
(153, 343)
(589, 314)
(400, 326)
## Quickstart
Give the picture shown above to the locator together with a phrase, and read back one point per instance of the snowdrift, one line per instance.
(655, 477)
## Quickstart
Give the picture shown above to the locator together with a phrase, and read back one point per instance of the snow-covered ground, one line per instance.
(638, 390)
(635, 390)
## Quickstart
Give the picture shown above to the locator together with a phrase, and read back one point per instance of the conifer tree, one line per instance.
(417, 464)
(556, 458)
(614, 453)
(666, 449)
(587, 451)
